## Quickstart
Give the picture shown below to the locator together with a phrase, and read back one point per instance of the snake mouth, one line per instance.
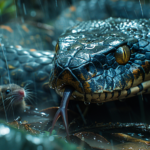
(95, 91)
(102, 97)
(98, 93)
(67, 78)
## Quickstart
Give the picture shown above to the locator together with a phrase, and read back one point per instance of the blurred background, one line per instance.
(48, 10)
(63, 13)
(37, 10)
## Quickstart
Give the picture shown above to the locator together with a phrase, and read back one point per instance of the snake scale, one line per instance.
(102, 60)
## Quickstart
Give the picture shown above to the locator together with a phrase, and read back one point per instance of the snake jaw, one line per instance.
(62, 111)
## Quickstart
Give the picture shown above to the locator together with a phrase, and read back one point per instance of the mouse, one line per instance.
(12, 97)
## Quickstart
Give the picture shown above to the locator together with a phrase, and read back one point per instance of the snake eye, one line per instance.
(7, 91)
(122, 55)
(56, 47)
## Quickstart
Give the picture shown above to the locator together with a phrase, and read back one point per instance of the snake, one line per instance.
(94, 61)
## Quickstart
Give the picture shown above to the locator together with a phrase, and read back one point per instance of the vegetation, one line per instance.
(7, 10)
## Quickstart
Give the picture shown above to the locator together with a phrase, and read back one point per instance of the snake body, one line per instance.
(26, 67)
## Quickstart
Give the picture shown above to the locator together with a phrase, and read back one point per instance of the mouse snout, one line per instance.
(22, 93)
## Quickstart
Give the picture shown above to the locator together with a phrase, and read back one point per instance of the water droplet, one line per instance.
(51, 138)
(40, 147)
(99, 104)
(121, 100)
(33, 13)
(36, 108)
(99, 141)
(4, 130)
(132, 134)
(87, 103)
(54, 43)
(11, 46)
(82, 138)
(140, 135)
(146, 139)
(74, 96)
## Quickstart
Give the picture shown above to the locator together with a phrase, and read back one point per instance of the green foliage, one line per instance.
(12, 138)
(7, 7)
(46, 133)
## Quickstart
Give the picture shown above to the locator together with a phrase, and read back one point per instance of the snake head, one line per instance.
(101, 60)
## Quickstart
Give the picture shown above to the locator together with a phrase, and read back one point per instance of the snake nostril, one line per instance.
(87, 68)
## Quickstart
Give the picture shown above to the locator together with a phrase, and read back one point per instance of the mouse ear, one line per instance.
(7, 91)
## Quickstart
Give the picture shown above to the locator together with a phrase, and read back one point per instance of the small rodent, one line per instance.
(12, 95)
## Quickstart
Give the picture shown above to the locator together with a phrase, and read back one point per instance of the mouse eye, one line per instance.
(8, 91)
